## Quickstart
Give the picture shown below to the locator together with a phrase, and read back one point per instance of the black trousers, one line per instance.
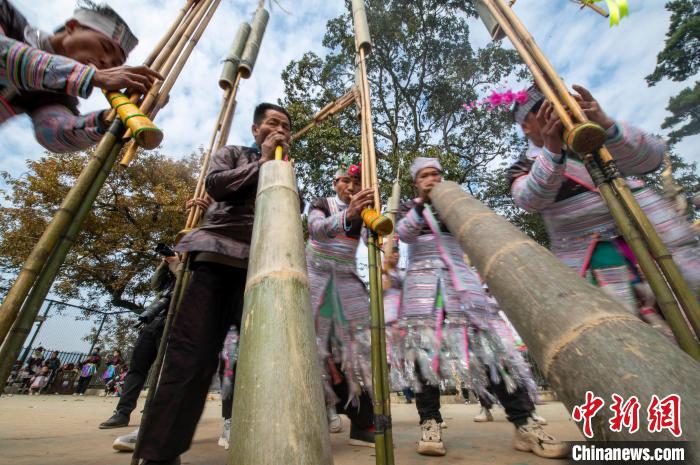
(361, 416)
(518, 405)
(143, 356)
(83, 383)
(212, 302)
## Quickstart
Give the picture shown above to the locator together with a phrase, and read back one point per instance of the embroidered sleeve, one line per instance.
(537, 189)
(28, 68)
(635, 151)
(410, 226)
(324, 228)
(59, 130)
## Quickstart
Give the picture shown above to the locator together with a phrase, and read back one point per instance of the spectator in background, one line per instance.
(39, 381)
(53, 363)
(87, 371)
(115, 365)
(36, 361)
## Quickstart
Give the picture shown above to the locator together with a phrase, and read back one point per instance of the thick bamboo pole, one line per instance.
(580, 337)
(30, 309)
(278, 341)
(55, 230)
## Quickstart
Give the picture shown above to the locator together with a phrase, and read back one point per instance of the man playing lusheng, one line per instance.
(213, 300)
(583, 234)
(452, 331)
(43, 74)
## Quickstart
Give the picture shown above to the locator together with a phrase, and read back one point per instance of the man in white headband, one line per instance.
(43, 74)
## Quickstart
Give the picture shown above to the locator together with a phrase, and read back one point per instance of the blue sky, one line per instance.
(612, 62)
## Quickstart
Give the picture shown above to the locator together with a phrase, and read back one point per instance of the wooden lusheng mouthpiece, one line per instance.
(377, 222)
(278, 340)
(252, 46)
(146, 134)
(233, 60)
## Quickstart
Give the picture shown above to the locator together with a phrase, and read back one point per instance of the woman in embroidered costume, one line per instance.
(392, 284)
(581, 230)
(452, 331)
(340, 303)
(42, 74)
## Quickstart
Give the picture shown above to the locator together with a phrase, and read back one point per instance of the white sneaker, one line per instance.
(484, 415)
(126, 443)
(225, 434)
(537, 418)
(443, 425)
(431, 439)
(334, 422)
(533, 438)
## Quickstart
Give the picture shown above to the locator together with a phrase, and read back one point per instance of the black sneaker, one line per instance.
(361, 437)
(175, 461)
(118, 420)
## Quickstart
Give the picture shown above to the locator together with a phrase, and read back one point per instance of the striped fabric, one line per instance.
(453, 334)
(573, 223)
(342, 327)
(27, 68)
(58, 130)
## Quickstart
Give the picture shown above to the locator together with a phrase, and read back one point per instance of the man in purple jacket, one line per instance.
(213, 300)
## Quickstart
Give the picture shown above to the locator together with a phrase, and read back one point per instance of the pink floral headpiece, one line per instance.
(498, 99)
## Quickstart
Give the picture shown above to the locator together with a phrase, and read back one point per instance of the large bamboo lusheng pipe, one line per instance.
(278, 341)
(157, 95)
(581, 338)
(619, 199)
(19, 331)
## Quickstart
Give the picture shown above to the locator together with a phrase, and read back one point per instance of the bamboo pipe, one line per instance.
(383, 437)
(19, 331)
(326, 112)
(582, 137)
(218, 140)
(166, 43)
(278, 341)
(54, 231)
(595, 8)
(600, 347)
(278, 153)
(159, 91)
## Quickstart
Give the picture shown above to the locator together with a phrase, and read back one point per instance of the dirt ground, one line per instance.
(62, 430)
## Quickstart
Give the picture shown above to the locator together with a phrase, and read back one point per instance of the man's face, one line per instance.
(345, 186)
(273, 121)
(532, 129)
(394, 258)
(426, 179)
(90, 47)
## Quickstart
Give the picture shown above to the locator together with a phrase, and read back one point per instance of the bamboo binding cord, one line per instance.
(23, 300)
(229, 81)
(172, 66)
(580, 135)
(377, 224)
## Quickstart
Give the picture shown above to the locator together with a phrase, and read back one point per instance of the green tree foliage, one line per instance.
(111, 262)
(679, 61)
(421, 70)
